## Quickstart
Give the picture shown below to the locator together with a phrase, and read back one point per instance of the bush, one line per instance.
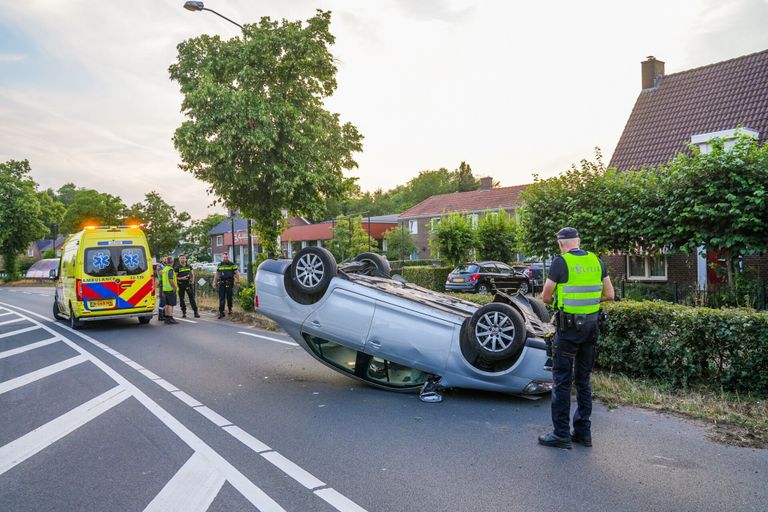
(687, 346)
(245, 297)
(429, 277)
(478, 298)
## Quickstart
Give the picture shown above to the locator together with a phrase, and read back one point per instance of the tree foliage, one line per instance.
(256, 130)
(399, 243)
(163, 226)
(90, 207)
(51, 211)
(496, 237)
(20, 213)
(350, 239)
(197, 242)
(453, 238)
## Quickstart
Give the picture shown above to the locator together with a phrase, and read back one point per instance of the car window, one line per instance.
(338, 355)
(505, 269)
(115, 261)
(489, 269)
(393, 374)
(466, 269)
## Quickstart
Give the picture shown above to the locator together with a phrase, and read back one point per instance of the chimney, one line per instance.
(652, 69)
(486, 183)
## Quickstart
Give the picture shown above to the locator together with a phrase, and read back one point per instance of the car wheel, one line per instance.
(497, 331)
(74, 323)
(56, 313)
(381, 267)
(312, 269)
(483, 288)
(540, 309)
(144, 320)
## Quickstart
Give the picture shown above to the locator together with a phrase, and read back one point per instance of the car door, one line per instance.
(409, 337)
(344, 317)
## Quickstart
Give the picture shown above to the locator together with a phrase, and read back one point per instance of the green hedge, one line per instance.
(429, 277)
(685, 346)
(245, 297)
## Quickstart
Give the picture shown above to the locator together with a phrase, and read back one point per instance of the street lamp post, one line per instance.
(192, 5)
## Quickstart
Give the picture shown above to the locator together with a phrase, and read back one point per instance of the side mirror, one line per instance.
(53, 274)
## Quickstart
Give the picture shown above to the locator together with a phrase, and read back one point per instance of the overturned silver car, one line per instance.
(360, 321)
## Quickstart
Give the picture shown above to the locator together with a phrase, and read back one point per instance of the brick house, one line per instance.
(690, 107)
(297, 237)
(420, 218)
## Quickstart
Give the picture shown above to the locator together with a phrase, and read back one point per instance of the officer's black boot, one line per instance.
(197, 315)
(221, 315)
(183, 314)
(555, 441)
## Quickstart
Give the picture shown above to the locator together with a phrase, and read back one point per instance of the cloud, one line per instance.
(12, 57)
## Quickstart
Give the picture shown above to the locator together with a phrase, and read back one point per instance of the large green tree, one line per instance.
(20, 213)
(162, 224)
(197, 242)
(453, 238)
(496, 237)
(400, 243)
(350, 239)
(257, 130)
(90, 207)
(52, 212)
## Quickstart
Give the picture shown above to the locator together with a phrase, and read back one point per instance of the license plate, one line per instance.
(458, 280)
(101, 304)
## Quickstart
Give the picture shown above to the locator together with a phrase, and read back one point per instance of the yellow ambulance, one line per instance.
(105, 272)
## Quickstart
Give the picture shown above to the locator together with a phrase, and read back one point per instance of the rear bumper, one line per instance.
(460, 287)
(148, 314)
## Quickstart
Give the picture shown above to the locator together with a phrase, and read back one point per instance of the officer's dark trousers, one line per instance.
(189, 289)
(161, 304)
(226, 289)
(573, 349)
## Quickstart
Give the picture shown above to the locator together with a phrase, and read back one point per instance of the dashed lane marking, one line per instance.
(294, 471)
(27, 445)
(293, 344)
(192, 489)
(186, 320)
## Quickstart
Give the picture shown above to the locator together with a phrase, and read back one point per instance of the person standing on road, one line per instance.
(159, 286)
(170, 289)
(579, 281)
(225, 278)
(186, 278)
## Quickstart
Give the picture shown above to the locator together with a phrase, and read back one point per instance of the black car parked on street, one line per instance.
(484, 276)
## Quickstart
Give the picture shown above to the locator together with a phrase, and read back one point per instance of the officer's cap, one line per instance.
(567, 234)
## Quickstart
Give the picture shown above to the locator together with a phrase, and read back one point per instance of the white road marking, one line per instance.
(247, 439)
(268, 338)
(216, 418)
(19, 331)
(134, 365)
(166, 385)
(31, 346)
(148, 374)
(8, 313)
(11, 321)
(186, 398)
(248, 489)
(186, 320)
(29, 444)
(192, 489)
(291, 469)
(339, 501)
(30, 377)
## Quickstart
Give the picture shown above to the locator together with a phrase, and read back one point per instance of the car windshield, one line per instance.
(467, 268)
(107, 261)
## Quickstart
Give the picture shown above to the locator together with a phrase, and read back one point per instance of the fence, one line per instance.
(749, 295)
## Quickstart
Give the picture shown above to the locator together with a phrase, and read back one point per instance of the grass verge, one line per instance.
(211, 303)
(740, 420)
(38, 283)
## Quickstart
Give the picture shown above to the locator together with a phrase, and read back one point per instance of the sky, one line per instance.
(513, 88)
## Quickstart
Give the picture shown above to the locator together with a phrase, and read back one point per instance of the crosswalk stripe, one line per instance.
(11, 321)
(30, 377)
(29, 444)
(192, 489)
(19, 331)
(31, 346)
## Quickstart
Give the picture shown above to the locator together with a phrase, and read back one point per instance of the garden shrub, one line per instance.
(718, 348)
(429, 277)
(245, 297)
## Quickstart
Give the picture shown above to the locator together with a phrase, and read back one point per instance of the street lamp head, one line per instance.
(191, 5)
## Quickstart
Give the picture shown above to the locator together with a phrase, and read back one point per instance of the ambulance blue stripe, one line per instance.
(105, 293)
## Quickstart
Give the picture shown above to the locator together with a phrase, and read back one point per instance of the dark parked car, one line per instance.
(535, 272)
(484, 276)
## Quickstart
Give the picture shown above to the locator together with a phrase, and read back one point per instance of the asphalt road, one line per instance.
(202, 416)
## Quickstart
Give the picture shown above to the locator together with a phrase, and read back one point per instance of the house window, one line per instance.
(647, 268)
(31, 252)
(434, 222)
(219, 240)
(413, 226)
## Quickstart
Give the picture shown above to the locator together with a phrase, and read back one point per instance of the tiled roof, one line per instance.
(241, 225)
(323, 231)
(708, 99)
(474, 201)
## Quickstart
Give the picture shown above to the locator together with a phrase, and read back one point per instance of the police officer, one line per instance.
(186, 278)
(225, 278)
(170, 289)
(580, 282)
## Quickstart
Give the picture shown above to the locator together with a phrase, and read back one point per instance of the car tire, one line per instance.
(144, 320)
(540, 309)
(312, 270)
(74, 323)
(483, 288)
(56, 314)
(497, 331)
(378, 261)
(524, 288)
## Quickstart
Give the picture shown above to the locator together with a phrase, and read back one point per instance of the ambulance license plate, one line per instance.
(102, 304)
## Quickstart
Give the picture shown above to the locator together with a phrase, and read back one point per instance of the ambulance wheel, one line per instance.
(144, 320)
(56, 313)
(74, 323)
